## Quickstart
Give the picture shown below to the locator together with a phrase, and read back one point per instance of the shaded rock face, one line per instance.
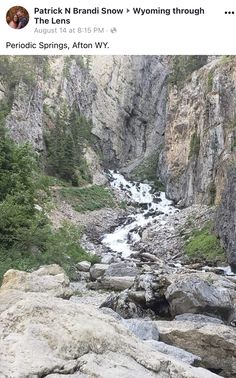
(226, 218)
(41, 335)
(200, 134)
(128, 110)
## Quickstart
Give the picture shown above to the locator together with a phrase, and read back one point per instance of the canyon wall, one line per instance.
(137, 106)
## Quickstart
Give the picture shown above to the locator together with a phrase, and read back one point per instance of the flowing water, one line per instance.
(150, 207)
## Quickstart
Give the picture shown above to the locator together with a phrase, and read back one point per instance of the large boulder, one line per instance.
(215, 343)
(50, 279)
(41, 335)
(193, 294)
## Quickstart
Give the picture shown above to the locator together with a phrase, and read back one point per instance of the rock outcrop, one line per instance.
(226, 218)
(200, 134)
(42, 335)
(193, 294)
(214, 343)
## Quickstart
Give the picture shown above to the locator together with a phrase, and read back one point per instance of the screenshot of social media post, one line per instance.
(117, 189)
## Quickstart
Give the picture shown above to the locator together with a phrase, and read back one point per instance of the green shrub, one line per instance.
(183, 67)
(89, 198)
(210, 80)
(26, 237)
(60, 247)
(195, 144)
(204, 246)
(212, 193)
(65, 145)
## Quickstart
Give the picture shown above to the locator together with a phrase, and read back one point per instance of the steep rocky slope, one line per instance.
(200, 134)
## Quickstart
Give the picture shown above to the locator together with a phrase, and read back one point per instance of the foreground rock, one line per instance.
(42, 335)
(48, 279)
(177, 353)
(215, 343)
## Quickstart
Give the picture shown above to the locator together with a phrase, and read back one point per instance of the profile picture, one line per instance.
(17, 17)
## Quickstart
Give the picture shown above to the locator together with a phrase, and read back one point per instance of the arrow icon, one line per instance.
(127, 10)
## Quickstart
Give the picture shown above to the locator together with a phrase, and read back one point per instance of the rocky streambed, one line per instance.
(143, 311)
(145, 273)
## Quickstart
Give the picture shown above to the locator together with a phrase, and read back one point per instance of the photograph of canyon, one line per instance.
(117, 216)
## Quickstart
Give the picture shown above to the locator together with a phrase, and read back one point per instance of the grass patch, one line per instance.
(88, 199)
(203, 245)
(62, 247)
(210, 81)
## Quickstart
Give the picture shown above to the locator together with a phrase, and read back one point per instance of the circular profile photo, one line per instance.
(17, 17)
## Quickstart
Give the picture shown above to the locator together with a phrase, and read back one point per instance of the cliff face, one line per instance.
(200, 134)
(226, 218)
(123, 96)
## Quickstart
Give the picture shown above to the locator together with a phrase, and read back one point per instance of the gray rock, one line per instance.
(115, 283)
(83, 266)
(202, 113)
(214, 343)
(122, 269)
(144, 329)
(226, 218)
(178, 353)
(203, 319)
(110, 312)
(98, 270)
(43, 335)
(195, 295)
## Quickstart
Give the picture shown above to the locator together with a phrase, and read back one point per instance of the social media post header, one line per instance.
(124, 27)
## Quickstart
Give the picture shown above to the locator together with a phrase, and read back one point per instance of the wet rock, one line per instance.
(83, 266)
(178, 353)
(195, 295)
(144, 329)
(98, 270)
